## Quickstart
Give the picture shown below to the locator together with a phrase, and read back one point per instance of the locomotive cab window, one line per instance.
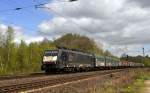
(50, 54)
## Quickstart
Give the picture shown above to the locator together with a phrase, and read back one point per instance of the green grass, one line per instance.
(138, 85)
(132, 82)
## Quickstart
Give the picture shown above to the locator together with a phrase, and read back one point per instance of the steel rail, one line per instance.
(8, 77)
(43, 83)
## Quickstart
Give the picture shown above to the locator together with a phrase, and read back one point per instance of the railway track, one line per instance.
(8, 77)
(24, 86)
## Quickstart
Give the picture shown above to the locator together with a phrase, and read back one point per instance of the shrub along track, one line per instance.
(35, 83)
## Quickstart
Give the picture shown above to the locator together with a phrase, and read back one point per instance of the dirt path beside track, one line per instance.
(147, 86)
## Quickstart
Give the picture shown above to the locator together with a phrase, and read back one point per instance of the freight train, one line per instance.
(63, 59)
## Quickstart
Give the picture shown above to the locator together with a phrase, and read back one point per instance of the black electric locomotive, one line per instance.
(66, 59)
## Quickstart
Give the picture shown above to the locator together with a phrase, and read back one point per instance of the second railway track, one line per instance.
(40, 83)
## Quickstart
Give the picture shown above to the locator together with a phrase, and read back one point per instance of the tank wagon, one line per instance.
(71, 60)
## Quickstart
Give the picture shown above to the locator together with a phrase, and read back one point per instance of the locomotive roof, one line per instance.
(72, 51)
(79, 52)
(51, 50)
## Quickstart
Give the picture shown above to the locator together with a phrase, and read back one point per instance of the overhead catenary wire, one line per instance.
(21, 8)
(27, 11)
(10, 23)
(36, 6)
(25, 7)
(29, 6)
(61, 15)
(14, 3)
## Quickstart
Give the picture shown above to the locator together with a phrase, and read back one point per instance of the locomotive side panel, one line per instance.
(76, 59)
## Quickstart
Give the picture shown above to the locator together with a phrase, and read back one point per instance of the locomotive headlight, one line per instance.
(54, 58)
(49, 58)
(45, 59)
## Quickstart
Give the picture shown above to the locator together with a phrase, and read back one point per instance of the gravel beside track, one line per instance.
(22, 84)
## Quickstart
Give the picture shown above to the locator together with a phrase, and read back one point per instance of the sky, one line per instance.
(120, 26)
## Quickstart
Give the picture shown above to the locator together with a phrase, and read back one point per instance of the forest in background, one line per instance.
(26, 58)
(16, 58)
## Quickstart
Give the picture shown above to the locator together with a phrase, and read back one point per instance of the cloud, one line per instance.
(142, 3)
(3, 28)
(19, 34)
(30, 39)
(112, 22)
(118, 50)
(88, 8)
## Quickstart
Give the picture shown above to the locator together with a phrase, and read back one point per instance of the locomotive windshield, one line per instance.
(50, 56)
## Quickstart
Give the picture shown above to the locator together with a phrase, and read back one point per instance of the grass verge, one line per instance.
(137, 86)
